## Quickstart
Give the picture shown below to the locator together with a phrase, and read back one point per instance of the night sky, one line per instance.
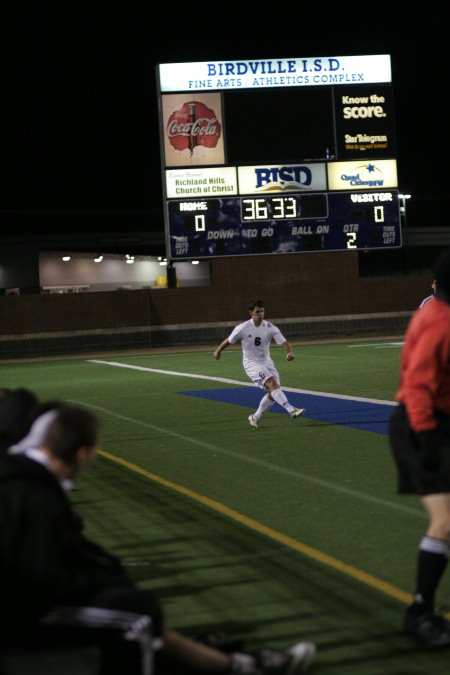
(81, 129)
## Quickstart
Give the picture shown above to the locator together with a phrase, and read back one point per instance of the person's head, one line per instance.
(256, 309)
(18, 408)
(66, 434)
(442, 275)
(71, 428)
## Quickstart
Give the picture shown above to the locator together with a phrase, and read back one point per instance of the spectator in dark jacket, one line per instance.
(51, 569)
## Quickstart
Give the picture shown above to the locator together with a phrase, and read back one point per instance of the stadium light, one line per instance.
(403, 197)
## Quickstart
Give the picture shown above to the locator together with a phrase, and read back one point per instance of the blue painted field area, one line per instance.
(364, 415)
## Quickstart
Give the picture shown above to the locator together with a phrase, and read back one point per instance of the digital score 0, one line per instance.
(284, 156)
(284, 224)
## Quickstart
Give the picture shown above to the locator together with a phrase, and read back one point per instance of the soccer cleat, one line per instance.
(293, 661)
(429, 628)
(253, 421)
(297, 412)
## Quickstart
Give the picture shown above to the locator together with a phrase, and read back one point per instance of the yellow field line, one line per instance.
(281, 538)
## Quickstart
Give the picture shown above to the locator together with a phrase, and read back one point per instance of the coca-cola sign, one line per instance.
(192, 125)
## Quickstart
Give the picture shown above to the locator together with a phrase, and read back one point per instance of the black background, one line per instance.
(80, 140)
(278, 125)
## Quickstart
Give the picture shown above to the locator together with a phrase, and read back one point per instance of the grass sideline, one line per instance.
(327, 487)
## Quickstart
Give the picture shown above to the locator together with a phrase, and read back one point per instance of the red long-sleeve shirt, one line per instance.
(425, 365)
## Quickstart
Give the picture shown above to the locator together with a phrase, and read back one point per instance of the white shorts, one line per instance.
(259, 373)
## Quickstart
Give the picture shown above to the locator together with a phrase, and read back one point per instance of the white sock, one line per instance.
(280, 397)
(264, 405)
(243, 664)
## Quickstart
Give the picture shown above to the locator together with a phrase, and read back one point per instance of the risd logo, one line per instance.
(283, 177)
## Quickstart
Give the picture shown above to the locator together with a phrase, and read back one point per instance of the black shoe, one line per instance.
(293, 661)
(429, 628)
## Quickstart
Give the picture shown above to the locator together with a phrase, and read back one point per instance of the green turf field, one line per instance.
(292, 530)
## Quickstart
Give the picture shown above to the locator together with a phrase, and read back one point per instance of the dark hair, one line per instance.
(18, 408)
(72, 428)
(255, 303)
(442, 271)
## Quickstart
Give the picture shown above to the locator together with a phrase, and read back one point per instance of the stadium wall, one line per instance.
(310, 296)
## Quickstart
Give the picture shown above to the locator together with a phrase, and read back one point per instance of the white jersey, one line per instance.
(426, 300)
(255, 341)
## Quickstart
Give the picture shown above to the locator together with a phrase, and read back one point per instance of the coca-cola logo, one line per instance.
(194, 124)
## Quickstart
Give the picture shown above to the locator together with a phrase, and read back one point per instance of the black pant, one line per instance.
(412, 475)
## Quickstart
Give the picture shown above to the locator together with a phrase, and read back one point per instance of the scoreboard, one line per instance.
(278, 156)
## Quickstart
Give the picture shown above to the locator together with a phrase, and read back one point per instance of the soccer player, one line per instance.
(420, 442)
(255, 336)
(429, 297)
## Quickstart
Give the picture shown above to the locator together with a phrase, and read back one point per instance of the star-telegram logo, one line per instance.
(366, 174)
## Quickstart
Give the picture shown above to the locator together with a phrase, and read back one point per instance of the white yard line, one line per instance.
(225, 380)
